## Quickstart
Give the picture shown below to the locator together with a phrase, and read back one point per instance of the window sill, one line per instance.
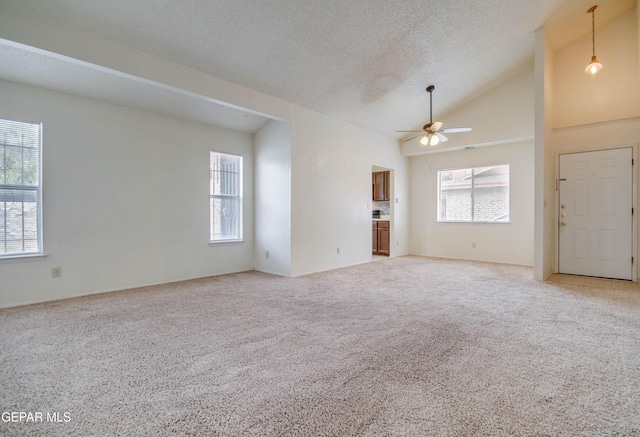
(478, 222)
(22, 258)
(223, 242)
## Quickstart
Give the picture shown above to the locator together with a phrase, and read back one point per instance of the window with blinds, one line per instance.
(20, 188)
(226, 197)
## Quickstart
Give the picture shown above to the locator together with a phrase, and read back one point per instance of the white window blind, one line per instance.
(225, 197)
(20, 188)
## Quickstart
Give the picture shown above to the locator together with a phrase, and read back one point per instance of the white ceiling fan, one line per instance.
(432, 133)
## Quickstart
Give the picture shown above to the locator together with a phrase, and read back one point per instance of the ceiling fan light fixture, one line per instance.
(430, 140)
(594, 68)
(431, 133)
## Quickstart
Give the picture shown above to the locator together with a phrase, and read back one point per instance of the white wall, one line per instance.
(273, 198)
(544, 197)
(498, 242)
(502, 116)
(331, 192)
(126, 199)
(615, 93)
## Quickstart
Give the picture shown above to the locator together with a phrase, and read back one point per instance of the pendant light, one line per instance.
(594, 68)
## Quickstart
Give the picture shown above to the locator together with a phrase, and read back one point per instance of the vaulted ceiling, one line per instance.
(367, 62)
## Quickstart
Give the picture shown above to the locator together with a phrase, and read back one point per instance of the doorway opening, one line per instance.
(382, 212)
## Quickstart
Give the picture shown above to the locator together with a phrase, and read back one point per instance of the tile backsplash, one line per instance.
(383, 206)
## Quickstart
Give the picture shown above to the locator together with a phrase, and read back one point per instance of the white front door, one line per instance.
(595, 215)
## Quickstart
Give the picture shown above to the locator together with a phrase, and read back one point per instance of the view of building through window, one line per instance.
(20, 190)
(478, 194)
(225, 188)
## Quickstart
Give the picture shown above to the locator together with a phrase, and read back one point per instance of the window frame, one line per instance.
(25, 188)
(439, 218)
(239, 224)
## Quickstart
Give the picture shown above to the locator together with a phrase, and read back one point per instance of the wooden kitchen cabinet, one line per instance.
(374, 238)
(383, 238)
(380, 238)
(381, 185)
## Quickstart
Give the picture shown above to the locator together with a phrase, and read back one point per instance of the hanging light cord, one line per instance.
(593, 30)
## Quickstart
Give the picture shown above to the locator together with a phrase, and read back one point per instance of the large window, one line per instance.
(226, 197)
(20, 189)
(478, 194)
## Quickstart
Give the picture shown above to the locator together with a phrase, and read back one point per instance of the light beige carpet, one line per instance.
(404, 346)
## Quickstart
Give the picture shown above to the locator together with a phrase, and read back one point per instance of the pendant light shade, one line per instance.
(594, 68)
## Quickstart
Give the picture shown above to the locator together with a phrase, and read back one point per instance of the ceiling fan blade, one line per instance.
(436, 126)
(442, 137)
(413, 137)
(410, 131)
(456, 129)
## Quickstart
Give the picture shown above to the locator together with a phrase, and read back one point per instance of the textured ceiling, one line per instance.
(364, 61)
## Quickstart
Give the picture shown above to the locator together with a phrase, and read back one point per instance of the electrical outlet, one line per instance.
(338, 251)
(56, 272)
(266, 255)
(473, 245)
